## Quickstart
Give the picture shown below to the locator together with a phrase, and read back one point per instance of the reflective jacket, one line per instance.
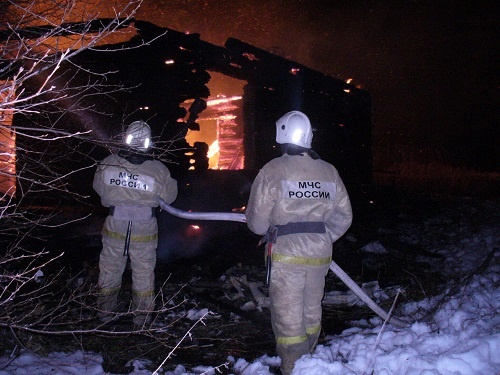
(121, 183)
(294, 189)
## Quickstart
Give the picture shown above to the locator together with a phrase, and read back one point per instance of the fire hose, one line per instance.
(334, 267)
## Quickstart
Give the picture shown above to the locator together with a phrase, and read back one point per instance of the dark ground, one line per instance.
(201, 282)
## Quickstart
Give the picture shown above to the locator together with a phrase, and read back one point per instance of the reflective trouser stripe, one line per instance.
(313, 330)
(281, 340)
(148, 293)
(298, 339)
(108, 291)
(290, 259)
(120, 236)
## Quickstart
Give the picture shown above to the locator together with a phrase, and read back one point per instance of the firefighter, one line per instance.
(129, 183)
(301, 205)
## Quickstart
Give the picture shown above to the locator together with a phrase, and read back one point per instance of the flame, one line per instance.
(220, 123)
(222, 100)
(213, 149)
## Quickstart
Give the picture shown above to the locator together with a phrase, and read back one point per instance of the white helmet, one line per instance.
(294, 127)
(138, 136)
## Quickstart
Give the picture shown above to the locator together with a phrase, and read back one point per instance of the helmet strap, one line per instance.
(293, 150)
(135, 157)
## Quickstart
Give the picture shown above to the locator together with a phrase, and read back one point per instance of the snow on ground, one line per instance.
(462, 337)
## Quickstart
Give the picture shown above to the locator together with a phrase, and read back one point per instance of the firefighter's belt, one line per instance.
(293, 228)
(132, 213)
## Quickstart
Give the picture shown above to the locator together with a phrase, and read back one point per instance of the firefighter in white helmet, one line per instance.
(301, 204)
(129, 183)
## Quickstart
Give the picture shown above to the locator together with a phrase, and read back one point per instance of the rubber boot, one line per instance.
(289, 354)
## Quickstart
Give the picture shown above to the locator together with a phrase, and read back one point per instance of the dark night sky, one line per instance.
(430, 66)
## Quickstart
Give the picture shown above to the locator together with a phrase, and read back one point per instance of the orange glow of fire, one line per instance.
(213, 149)
(221, 126)
(7, 152)
(222, 100)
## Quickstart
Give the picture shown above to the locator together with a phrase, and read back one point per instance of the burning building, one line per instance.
(230, 96)
(214, 109)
